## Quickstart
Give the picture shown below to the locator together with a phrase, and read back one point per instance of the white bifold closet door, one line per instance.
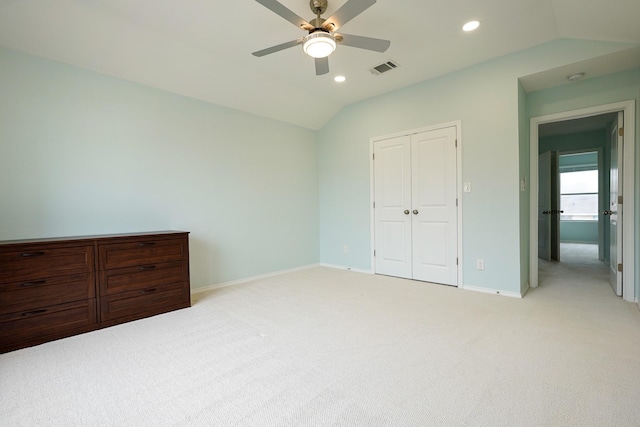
(415, 209)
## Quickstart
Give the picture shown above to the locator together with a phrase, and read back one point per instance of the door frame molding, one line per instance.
(628, 189)
(458, 125)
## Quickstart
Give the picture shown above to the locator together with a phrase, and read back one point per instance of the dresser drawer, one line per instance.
(40, 325)
(142, 277)
(141, 252)
(26, 295)
(143, 303)
(31, 263)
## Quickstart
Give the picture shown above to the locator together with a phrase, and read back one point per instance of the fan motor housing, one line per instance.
(318, 6)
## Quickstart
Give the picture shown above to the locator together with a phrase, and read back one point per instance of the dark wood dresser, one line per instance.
(58, 287)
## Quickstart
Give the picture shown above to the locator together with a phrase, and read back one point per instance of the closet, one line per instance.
(415, 205)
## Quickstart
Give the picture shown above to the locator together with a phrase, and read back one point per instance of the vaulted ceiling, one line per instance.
(202, 48)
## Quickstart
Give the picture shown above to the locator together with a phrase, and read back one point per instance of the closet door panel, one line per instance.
(392, 181)
(434, 211)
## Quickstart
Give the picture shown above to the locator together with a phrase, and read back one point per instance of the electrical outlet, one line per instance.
(345, 249)
(480, 264)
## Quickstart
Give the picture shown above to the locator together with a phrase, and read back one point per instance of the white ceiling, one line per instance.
(202, 48)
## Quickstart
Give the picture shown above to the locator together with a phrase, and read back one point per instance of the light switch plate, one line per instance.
(466, 187)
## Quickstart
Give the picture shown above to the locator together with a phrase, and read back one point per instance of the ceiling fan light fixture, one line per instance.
(319, 44)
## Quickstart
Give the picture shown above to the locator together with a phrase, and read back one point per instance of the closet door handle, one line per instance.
(415, 211)
(406, 212)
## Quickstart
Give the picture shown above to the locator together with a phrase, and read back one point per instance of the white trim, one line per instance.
(372, 216)
(628, 253)
(458, 125)
(493, 291)
(342, 267)
(200, 290)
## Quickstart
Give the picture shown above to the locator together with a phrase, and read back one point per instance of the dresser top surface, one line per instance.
(92, 237)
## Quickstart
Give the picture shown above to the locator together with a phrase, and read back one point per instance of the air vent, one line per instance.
(384, 67)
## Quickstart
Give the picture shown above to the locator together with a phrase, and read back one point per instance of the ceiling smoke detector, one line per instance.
(575, 77)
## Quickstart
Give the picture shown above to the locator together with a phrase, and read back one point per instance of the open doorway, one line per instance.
(581, 193)
(572, 179)
(580, 123)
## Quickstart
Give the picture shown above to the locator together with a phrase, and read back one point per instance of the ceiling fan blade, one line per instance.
(277, 48)
(279, 9)
(322, 66)
(369, 43)
(346, 13)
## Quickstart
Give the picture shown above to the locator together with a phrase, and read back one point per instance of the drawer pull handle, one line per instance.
(144, 244)
(146, 267)
(31, 313)
(149, 291)
(29, 254)
(39, 282)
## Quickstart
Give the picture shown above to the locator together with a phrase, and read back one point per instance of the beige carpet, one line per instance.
(325, 347)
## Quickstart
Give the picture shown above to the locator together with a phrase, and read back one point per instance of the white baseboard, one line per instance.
(342, 267)
(338, 267)
(249, 279)
(492, 291)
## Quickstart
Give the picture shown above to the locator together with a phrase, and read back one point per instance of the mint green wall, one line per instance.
(579, 231)
(616, 87)
(485, 98)
(573, 142)
(83, 153)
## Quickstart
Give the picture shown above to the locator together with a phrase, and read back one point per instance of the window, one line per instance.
(579, 195)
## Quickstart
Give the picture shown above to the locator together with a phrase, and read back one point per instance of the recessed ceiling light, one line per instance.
(339, 79)
(471, 25)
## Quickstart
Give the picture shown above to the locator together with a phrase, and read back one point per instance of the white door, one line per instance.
(434, 211)
(615, 209)
(392, 194)
(554, 214)
(415, 213)
(544, 206)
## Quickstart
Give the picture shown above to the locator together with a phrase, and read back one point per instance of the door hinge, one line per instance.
(456, 143)
(619, 200)
(456, 202)
(374, 205)
(621, 132)
(456, 261)
(374, 156)
(374, 252)
(620, 268)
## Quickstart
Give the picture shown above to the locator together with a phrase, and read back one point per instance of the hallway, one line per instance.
(579, 269)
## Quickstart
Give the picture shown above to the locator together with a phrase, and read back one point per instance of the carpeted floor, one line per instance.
(325, 347)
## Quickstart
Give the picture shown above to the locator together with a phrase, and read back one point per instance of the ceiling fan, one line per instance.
(322, 39)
